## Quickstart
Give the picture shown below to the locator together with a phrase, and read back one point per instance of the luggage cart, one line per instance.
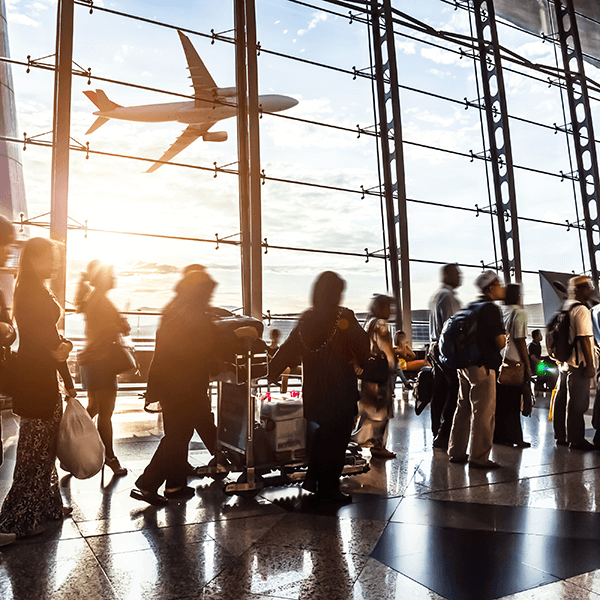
(242, 444)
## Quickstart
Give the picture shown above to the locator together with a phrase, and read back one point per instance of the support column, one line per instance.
(61, 135)
(392, 153)
(243, 152)
(255, 179)
(581, 122)
(499, 138)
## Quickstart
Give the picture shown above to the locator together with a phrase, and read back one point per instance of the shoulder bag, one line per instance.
(512, 372)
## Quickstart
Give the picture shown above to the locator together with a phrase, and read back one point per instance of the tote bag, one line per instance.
(79, 447)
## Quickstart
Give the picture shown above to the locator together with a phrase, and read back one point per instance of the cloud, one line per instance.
(406, 47)
(442, 57)
(24, 20)
(318, 17)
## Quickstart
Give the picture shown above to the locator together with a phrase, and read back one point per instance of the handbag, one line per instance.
(376, 369)
(512, 372)
(113, 356)
(78, 445)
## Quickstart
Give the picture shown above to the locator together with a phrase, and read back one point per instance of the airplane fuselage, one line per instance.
(189, 113)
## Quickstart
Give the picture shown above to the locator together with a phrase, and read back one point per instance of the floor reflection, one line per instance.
(419, 528)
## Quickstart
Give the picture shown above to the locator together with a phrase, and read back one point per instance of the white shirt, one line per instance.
(442, 306)
(580, 326)
(518, 329)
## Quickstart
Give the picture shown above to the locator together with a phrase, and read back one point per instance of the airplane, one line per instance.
(210, 105)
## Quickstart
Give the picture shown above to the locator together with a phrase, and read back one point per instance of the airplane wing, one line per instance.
(191, 134)
(202, 82)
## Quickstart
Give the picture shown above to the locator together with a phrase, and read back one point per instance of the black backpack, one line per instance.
(557, 335)
(423, 390)
(458, 340)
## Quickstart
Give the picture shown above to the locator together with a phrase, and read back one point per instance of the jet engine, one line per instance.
(215, 136)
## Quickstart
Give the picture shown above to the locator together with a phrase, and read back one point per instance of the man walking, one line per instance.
(475, 412)
(444, 397)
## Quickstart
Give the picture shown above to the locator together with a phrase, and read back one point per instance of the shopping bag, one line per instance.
(79, 447)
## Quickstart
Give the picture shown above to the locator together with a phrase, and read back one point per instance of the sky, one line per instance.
(115, 194)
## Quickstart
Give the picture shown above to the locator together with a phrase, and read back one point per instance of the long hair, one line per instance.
(31, 253)
(512, 294)
(84, 288)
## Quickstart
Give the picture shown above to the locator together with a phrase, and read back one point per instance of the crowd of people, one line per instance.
(349, 372)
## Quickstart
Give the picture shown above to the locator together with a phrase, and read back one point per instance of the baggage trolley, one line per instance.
(242, 444)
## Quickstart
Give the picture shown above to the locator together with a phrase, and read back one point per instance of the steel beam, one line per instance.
(581, 121)
(255, 179)
(61, 136)
(243, 152)
(499, 138)
(392, 153)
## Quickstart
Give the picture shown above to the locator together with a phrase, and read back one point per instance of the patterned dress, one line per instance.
(34, 495)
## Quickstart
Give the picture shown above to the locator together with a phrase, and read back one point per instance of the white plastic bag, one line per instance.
(79, 447)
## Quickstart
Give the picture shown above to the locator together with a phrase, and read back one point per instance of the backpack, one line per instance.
(458, 340)
(557, 335)
(423, 389)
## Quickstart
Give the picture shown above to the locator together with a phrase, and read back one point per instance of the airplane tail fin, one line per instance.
(100, 99)
(97, 124)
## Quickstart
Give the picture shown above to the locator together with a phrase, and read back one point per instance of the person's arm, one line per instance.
(288, 355)
(588, 354)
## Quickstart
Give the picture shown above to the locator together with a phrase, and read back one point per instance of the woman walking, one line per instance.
(34, 495)
(376, 406)
(103, 324)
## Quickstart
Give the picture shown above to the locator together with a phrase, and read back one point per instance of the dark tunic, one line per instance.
(329, 347)
(328, 352)
(36, 389)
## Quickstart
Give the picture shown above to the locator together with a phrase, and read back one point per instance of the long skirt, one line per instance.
(375, 409)
(34, 495)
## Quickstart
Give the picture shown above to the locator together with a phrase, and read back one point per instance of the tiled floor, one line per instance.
(419, 528)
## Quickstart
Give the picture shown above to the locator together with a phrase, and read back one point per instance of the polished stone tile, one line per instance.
(461, 564)
(65, 570)
(164, 572)
(380, 581)
(560, 590)
(588, 581)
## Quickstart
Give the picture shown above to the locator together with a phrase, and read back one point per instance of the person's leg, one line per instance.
(502, 427)
(168, 461)
(443, 435)
(328, 455)
(439, 392)
(105, 403)
(578, 401)
(559, 420)
(461, 424)
(483, 401)
(204, 423)
(596, 419)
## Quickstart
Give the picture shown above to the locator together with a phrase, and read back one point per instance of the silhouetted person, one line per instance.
(188, 346)
(508, 430)
(330, 342)
(444, 396)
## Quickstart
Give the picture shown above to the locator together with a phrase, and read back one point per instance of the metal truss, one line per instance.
(392, 153)
(499, 138)
(581, 122)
